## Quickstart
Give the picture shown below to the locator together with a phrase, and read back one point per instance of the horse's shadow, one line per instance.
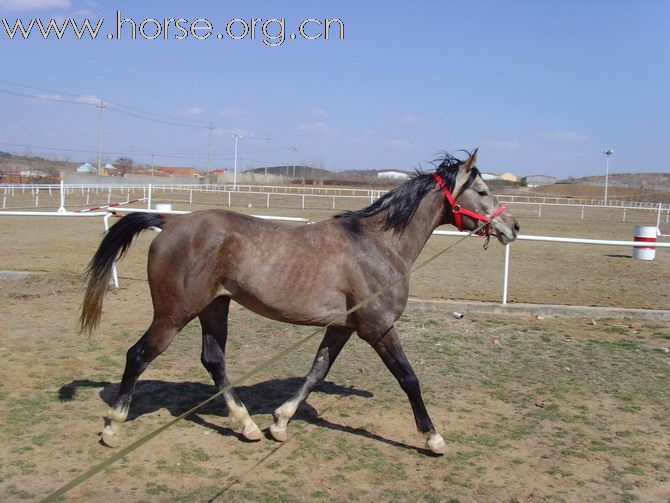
(260, 398)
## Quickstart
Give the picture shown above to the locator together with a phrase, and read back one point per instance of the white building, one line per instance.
(87, 168)
(392, 175)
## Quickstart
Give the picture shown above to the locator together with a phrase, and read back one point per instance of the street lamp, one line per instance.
(236, 137)
(608, 152)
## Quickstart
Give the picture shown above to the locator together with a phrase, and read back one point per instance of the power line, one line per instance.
(11, 83)
(220, 156)
(185, 153)
(159, 121)
(114, 108)
(119, 108)
(88, 100)
(125, 110)
(112, 105)
(46, 98)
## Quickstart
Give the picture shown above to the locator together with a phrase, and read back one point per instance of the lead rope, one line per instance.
(487, 227)
(149, 436)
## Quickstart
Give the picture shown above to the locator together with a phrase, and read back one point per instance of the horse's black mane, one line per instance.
(401, 203)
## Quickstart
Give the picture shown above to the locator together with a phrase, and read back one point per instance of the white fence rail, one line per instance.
(303, 192)
(506, 266)
(570, 201)
(553, 239)
(367, 196)
(300, 192)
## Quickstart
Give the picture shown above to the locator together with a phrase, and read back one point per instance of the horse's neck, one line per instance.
(409, 242)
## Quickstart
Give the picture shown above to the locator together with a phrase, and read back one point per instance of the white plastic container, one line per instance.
(645, 234)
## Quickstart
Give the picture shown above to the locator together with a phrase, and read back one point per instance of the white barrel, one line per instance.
(645, 234)
(163, 206)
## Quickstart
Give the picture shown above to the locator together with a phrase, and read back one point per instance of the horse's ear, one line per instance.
(472, 161)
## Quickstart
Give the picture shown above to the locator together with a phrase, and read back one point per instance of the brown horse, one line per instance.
(307, 275)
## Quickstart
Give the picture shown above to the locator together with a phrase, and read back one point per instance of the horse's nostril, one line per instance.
(516, 229)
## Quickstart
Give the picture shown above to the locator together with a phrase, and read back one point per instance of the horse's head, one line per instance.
(470, 204)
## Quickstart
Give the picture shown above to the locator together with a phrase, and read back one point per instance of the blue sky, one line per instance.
(539, 87)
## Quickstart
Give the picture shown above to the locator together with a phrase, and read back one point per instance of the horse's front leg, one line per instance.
(389, 349)
(331, 345)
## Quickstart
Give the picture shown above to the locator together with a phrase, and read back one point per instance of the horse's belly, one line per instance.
(299, 310)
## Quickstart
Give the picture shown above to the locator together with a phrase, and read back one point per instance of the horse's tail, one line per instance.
(113, 246)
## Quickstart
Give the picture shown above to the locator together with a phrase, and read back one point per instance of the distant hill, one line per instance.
(643, 187)
(651, 181)
(326, 177)
(11, 165)
(297, 171)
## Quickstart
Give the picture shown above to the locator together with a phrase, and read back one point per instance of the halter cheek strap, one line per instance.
(457, 210)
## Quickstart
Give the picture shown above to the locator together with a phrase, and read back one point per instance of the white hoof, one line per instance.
(252, 433)
(110, 436)
(436, 444)
(279, 434)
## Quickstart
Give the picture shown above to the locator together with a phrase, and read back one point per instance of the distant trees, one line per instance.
(124, 165)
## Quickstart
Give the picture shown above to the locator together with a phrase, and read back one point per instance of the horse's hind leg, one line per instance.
(331, 345)
(151, 344)
(214, 321)
(389, 349)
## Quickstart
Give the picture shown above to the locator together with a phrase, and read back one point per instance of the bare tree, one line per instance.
(124, 165)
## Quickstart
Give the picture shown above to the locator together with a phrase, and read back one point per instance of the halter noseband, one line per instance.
(457, 210)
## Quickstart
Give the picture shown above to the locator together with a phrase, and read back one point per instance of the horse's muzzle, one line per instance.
(506, 229)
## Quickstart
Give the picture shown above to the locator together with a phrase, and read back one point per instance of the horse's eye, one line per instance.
(483, 193)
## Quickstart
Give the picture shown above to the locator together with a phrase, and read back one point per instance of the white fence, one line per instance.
(506, 266)
(115, 194)
(658, 208)
(299, 194)
(570, 201)
(553, 239)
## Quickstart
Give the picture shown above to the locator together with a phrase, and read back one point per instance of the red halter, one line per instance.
(458, 210)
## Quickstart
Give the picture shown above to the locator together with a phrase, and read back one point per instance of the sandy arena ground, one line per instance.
(532, 410)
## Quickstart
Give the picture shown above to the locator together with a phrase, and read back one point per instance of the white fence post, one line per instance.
(505, 275)
(115, 275)
(61, 208)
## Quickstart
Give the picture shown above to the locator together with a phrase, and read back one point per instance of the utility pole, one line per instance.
(294, 151)
(101, 106)
(209, 147)
(267, 152)
(236, 137)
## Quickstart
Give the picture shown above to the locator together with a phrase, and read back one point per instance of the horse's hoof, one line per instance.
(278, 433)
(110, 438)
(437, 445)
(252, 433)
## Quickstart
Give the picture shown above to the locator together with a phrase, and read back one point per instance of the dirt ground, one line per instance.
(532, 410)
